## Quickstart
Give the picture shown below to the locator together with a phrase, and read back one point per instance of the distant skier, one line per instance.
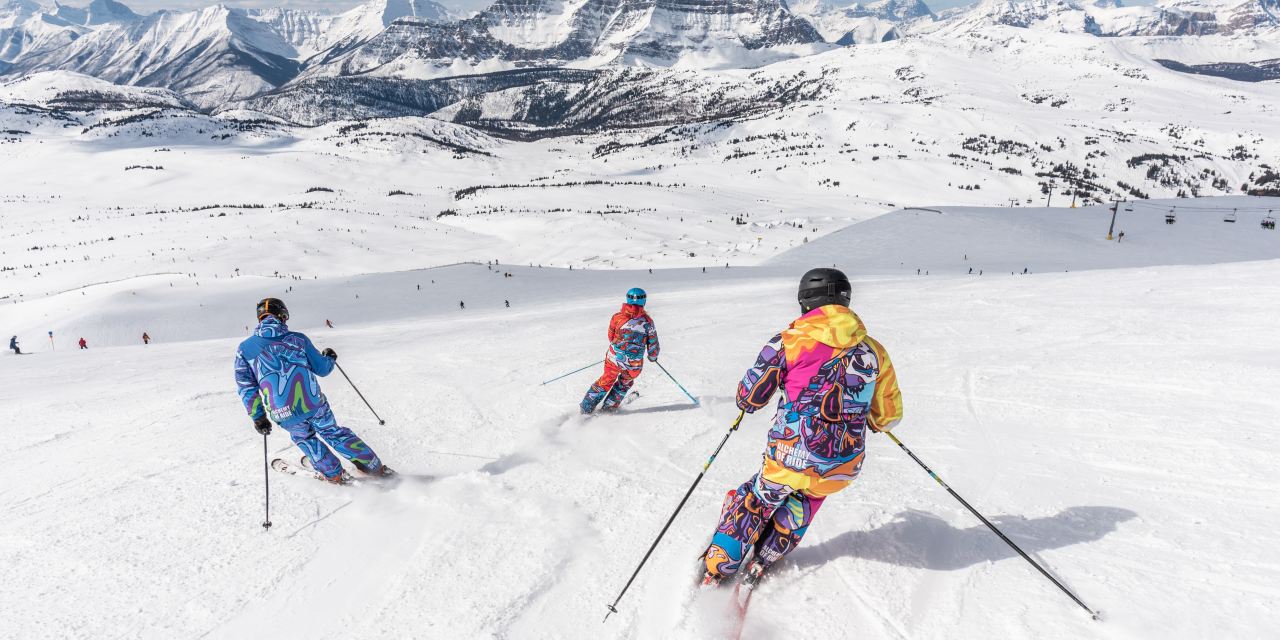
(632, 333)
(276, 373)
(84, 344)
(13, 344)
(146, 339)
(462, 305)
(836, 382)
(328, 324)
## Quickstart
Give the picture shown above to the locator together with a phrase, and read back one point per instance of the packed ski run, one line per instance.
(1109, 418)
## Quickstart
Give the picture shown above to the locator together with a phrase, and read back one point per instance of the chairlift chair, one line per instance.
(1171, 217)
(1269, 222)
(1230, 217)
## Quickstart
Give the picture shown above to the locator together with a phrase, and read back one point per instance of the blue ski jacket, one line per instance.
(276, 373)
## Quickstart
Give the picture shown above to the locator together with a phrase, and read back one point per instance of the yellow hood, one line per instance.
(833, 325)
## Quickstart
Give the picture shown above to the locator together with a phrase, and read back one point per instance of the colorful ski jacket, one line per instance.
(276, 373)
(631, 333)
(835, 380)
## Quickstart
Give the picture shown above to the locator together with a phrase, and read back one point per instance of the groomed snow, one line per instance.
(1116, 422)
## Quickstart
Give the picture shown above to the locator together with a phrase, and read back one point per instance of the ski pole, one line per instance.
(1094, 614)
(266, 484)
(597, 362)
(612, 607)
(673, 379)
(353, 386)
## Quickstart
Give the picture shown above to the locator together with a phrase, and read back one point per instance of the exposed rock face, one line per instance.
(539, 102)
(522, 33)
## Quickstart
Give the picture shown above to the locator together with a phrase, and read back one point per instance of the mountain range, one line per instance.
(219, 56)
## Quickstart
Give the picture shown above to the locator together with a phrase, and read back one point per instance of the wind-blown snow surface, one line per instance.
(1117, 423)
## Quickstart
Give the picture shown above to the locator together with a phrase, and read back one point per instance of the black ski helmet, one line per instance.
(273, 307)
(824, 286)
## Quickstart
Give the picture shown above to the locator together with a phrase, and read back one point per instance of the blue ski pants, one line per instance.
(309, 433)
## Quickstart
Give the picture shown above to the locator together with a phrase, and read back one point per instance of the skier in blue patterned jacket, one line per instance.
(276, 373)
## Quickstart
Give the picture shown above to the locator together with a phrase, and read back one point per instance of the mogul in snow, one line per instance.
(836, 383)
(631, 334)
(276, 373)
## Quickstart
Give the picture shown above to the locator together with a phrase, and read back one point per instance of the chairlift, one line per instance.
(1171, 217)
(1269, 222)
(1230, 217)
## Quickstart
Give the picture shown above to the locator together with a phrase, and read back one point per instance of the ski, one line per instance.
(734, 612)
(742, 591)
(356, 478)
(626, 400)
(295, 470)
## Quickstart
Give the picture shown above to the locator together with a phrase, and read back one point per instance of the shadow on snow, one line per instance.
(924, 540)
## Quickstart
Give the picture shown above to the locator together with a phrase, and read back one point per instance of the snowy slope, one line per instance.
(74, 91)
(1082, 411)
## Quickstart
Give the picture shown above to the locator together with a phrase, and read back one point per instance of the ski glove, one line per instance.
(330, 353)
(262, 425)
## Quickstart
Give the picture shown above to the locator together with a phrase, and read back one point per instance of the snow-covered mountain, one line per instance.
(95, 13)
(223, 58)
(514, 34)
(210, 56)
(25, 27)
(859, 23)
(313, 32)
(1111, 18)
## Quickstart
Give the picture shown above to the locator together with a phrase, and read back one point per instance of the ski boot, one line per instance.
(381, 472)
(753, 572)
(342, 478)
(710, 581)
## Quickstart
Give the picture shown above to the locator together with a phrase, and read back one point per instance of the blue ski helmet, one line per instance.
(636, 296)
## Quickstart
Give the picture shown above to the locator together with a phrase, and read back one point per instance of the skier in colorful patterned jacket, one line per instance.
(276, 373)
(631, 334)
(837, 382)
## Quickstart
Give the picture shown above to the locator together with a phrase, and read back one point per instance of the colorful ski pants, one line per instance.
(611, 387)
(772, 511)
(321, 424)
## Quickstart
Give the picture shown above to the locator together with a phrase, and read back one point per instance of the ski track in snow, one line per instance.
(1117, 423)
